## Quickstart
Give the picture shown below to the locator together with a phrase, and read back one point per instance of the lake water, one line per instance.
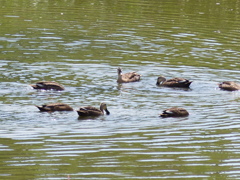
(80, 44)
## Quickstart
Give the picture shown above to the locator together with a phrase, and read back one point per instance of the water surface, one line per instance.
(80, 44)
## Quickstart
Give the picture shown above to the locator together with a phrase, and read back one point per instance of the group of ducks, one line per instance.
(124, 78)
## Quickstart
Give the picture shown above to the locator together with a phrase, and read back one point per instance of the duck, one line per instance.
(229, 86)
(127, 77)
(92, 111)
(174, 112)
(47, 85)
(55, 107)
(174, 82)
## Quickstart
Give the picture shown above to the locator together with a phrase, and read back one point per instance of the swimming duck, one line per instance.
(92, 111)
(47, 85)
(174, 82)
(127, 77)
(174, 112)
(55, 107)
(229, 86)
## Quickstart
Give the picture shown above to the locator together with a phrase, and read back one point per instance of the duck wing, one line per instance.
(174, 112)
(55, 107)
(178, 82)
(131, 76)
(47, 85)
(89, 111)
(229, 86)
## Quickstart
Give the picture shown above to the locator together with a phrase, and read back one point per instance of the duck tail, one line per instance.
(42, 108)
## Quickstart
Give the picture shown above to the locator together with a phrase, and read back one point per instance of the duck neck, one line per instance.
(119, 76)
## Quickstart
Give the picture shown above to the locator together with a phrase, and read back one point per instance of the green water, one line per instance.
(80, 44)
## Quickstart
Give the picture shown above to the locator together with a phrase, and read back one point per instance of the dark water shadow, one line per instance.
(80, 118)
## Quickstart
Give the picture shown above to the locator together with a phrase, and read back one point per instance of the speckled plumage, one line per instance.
(55, 107)
(174, 82)
(47, 85)
(92, 111)
(229, 86)
(127, 77)
(174, 112)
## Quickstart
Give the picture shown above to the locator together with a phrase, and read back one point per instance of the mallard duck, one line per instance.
(47, 85)
(174, 82)
(92, 111)
(127, 77)
(55, 107)
(229, 86)
(174, 112)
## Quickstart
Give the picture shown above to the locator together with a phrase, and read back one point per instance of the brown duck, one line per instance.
(127, 77)
(55, 107)
(174, 82)
(174, 112)
(47, 85)
(229, 86)
(92, 111)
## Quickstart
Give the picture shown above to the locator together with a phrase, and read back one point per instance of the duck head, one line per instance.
(103, 107)
(160, 80)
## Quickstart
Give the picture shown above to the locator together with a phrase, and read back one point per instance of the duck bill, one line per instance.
(107, 112)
